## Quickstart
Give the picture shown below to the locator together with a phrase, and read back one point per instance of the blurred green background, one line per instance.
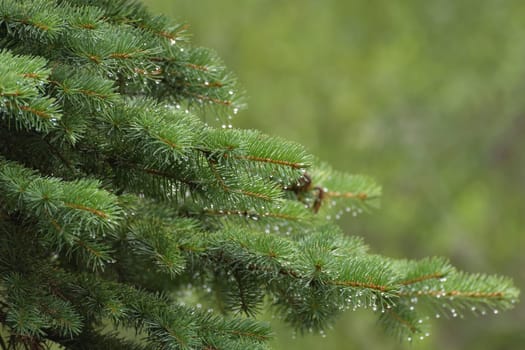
(425, 96)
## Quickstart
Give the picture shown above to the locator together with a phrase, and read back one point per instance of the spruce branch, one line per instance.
(118, 199)
(3, 344)
(23, 104)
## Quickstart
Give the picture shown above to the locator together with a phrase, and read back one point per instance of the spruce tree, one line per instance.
(134, 216)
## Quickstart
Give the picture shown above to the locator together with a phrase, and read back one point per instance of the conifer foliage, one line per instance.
(129, 220)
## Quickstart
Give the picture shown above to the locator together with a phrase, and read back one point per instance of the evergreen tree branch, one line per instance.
(3, 344)
(115, 197)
